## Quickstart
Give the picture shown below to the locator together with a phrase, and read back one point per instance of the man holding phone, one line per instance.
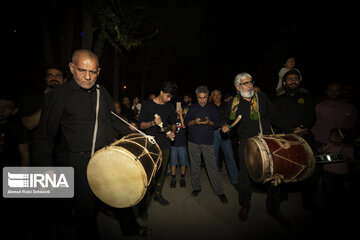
(201, 120)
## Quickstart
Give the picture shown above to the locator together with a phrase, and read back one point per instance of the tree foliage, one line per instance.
(121, 22)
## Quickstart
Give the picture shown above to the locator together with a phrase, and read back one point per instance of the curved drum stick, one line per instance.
(235, 122)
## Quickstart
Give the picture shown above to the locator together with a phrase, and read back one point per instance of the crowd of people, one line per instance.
(55, 127)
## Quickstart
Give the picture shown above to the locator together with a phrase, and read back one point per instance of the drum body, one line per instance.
(120, 173)
(288, 156)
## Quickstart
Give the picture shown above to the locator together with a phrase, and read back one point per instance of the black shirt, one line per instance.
(167, 113)
(247, 128)
(73, 109)
(224, 112)
(12, 134)
(297, 109)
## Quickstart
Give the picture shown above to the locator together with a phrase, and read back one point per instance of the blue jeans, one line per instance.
(227, 149)
(178, 154)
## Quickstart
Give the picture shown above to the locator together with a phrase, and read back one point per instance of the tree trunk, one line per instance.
(116, 75)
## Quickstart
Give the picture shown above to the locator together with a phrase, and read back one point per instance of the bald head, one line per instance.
(85, 53)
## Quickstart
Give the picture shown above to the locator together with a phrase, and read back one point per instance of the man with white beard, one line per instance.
(251, 106)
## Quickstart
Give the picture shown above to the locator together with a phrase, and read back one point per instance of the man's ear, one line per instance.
(72, 67)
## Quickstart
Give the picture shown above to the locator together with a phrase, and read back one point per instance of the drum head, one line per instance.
(256, 160)
(116, 178)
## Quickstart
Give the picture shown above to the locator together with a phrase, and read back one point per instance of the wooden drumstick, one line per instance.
(235, 122)
(160, 124)
(167, 133)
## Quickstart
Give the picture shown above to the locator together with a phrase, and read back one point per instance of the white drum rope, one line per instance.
(150, 138)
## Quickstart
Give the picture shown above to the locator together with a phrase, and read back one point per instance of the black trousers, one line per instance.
(274, 193)
(87, 205)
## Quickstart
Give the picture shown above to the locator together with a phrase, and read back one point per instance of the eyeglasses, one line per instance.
(247, 83)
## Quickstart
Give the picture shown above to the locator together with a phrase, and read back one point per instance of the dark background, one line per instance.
(196, 43)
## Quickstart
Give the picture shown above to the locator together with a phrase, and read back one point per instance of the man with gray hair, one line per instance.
(250, 106)
(201, 119)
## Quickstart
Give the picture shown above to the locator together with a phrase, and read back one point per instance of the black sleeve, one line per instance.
(310, 113)
(51, 113)
(117, 124)
(275, 116)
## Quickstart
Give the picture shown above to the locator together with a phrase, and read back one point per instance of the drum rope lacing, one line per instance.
(278, 178)
(150, 138)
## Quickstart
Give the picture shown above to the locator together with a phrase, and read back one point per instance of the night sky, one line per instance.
(210, 47)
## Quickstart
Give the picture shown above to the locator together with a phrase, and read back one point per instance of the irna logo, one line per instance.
(19, 180)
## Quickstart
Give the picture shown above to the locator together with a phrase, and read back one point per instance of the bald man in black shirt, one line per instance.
(73, 107)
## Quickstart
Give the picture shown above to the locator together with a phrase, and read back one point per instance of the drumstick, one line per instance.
(235, 122)
(161, 125)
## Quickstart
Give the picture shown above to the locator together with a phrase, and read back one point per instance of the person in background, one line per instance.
(153, 113)
(179, 152)
(30, 104)
(14, 152)
(288, 65)
(187, 101)
(136, 106)
(331, 113)
(223, 140)
(202, 119)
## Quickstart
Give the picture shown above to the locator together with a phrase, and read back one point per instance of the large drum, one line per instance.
(120, 173)
(288, 157)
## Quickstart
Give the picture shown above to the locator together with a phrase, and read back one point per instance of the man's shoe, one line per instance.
(195, 192)
(223, 198)
(182, 183)
(173, 183)
(161, 200)
(280, 218)
(243, 214)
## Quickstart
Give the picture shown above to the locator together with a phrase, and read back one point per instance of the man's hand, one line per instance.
(198, 121)
(170, 135)
(225, 128)
(300, 131)
(157, 120)
(206, 122)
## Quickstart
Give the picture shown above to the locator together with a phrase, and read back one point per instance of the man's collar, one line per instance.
(74, 86)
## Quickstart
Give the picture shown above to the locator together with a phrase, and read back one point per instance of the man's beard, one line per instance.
(292, 89)
(247, 94)
(53, 83)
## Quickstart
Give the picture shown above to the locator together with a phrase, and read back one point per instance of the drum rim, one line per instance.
(268, 166)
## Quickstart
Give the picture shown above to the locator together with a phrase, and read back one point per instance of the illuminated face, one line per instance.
(54, 77)
(85, 71)
(187, 100)
(202, 99)
(292, 82)
(216, 96)
(246, 88)
(333, 91)
(165, 97)
(290, 63)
